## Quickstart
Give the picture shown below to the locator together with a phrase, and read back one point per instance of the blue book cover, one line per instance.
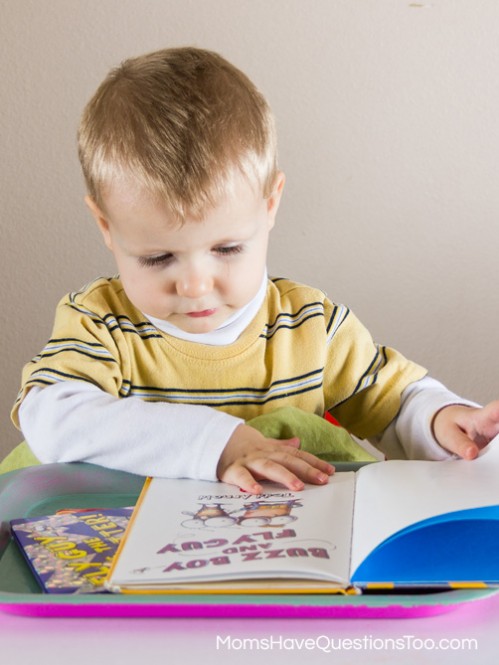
(71, 551)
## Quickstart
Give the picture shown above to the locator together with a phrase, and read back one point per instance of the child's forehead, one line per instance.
(125, 198)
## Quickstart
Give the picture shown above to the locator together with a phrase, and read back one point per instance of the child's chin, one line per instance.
(200, 325)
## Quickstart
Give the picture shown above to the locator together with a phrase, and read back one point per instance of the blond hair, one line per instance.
(179, 122)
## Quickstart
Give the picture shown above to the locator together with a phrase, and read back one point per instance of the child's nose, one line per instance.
(194, 284)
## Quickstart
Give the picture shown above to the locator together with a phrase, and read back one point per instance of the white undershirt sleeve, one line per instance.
(409, 435)
(75, 421)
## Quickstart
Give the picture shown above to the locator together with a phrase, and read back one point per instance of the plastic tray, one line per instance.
(42, 490)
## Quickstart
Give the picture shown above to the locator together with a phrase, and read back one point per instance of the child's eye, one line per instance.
(229, 250)
(151, 261)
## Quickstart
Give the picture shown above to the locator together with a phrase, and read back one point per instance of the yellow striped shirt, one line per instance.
(300, 350)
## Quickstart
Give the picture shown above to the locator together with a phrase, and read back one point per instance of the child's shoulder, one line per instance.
(102, 296)
(287, 290)
(303, 302)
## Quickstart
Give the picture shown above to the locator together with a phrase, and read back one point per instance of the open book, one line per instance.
(390, 524)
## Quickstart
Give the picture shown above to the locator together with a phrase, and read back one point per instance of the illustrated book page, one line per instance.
(187, 531)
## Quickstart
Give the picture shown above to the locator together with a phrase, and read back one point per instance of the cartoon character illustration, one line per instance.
(268, 513)
(210, 514)
(254, 514)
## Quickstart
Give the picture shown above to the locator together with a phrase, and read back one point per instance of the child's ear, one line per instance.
(274, 199)
(101, 220)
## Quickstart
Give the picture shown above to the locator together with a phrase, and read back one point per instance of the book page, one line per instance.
(395, 494)
(194, 531)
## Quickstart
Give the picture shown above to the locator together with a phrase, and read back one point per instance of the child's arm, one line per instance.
(75, 421)
(465, 430)
(410, 434)
(249, 457)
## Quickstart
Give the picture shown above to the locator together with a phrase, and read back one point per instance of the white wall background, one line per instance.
(388, 115)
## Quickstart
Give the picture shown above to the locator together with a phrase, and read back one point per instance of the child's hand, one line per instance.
(466, 430)
(249, 456)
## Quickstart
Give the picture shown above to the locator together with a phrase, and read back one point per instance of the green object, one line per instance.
(316, 434)
(19, 458)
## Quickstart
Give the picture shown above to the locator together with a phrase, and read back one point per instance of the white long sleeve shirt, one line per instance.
(149, 437)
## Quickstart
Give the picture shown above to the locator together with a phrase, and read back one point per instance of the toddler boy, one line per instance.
(158, 370)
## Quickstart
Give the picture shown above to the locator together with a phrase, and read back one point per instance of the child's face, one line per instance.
(194, 275)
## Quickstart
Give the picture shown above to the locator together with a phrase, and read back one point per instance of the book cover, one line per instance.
(71, 551)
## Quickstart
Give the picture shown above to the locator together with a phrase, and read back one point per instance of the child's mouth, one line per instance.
(203, 313)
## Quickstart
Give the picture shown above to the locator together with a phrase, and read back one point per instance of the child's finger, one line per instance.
(242, 478)
(314, 461)
(460, 444)
(272, 468)
(294, 442)
(314, 471)
(288, 469)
